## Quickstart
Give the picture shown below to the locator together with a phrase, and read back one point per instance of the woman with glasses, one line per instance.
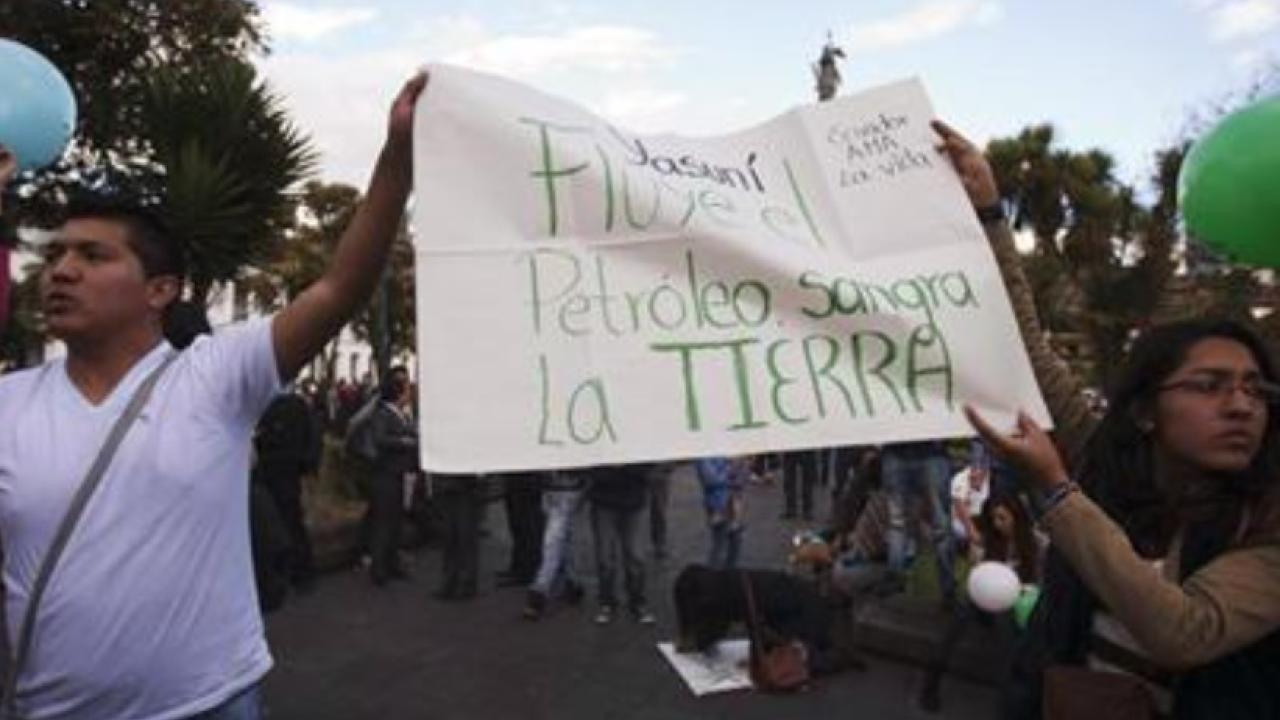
(1162, 586)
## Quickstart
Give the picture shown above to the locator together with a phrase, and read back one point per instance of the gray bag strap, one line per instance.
(92, 479)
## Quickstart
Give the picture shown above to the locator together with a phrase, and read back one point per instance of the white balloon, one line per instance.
(993, 586)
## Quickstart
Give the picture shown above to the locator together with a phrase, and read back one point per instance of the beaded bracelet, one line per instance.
(1056, 496)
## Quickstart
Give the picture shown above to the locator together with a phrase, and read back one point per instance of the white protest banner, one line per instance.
(588, 296)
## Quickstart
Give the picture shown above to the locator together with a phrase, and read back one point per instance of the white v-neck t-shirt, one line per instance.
(151, 612)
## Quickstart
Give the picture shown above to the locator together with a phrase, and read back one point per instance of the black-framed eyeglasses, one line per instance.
(1218, 386)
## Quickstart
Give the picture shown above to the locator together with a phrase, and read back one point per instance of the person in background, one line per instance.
(969, 491)
(562, 496)
(659, 498)
(723, 483)
(394, 436)
(1008, 536)
(461, 499)
(522, 497)
(919, 471)
(799, 476)
(1003, 534)
(286, 442)
(618, 494)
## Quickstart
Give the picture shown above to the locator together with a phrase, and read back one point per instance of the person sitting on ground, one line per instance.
(859, 537)
(1164, 569)
(1003, 534)
(1006, 534)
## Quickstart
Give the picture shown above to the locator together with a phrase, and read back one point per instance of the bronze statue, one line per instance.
(825, 72)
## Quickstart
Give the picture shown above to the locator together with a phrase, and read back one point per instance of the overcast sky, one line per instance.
(1117, 74)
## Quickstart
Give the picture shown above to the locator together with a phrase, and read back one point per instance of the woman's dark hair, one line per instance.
(1117, 468)
(1024, 549)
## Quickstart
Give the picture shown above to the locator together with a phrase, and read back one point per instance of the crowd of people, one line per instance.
(124, 472)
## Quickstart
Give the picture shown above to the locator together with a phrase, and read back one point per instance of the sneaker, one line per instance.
(535, 604)
(604, 615)
(643, 616)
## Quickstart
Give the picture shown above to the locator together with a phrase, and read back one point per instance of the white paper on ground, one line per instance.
(722, 669)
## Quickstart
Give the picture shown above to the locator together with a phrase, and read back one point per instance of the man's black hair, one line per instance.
(394, 383)
(149, 235)
(184, 321)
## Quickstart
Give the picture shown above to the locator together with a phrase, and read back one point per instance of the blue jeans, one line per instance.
(928, 478)
(247, 705)
(560, 507)
(726, 544)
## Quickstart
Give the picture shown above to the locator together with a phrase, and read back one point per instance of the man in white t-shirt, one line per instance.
(969, 491)
(150, 614)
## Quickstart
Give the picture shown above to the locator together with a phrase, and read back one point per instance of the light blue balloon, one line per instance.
(37, 108)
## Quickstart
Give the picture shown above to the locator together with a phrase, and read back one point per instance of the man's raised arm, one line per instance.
(306, 324)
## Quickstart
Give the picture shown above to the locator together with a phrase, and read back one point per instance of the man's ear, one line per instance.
(162, 290)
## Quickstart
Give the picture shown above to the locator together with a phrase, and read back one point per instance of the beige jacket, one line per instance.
(1225, 606)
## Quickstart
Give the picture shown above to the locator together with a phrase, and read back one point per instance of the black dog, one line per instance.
(709, 602)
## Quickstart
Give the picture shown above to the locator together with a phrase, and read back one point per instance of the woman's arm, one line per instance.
(1227, 605)
(1062, 389)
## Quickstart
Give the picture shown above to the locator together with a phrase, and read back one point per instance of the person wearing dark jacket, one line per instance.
(461, 499)
(618, 495)
(285, 443)
(522, 498)
(395, 437)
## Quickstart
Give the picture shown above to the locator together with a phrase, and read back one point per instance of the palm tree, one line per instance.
(322, 214)
(1101, 259)
(226, 157)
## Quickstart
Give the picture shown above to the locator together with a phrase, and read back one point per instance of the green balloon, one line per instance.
(1229, 186)
(1025, 603)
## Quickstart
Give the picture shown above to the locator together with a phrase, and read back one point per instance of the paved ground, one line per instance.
(350, 650)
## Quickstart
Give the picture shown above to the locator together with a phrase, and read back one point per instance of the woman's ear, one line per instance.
(1143, 417)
